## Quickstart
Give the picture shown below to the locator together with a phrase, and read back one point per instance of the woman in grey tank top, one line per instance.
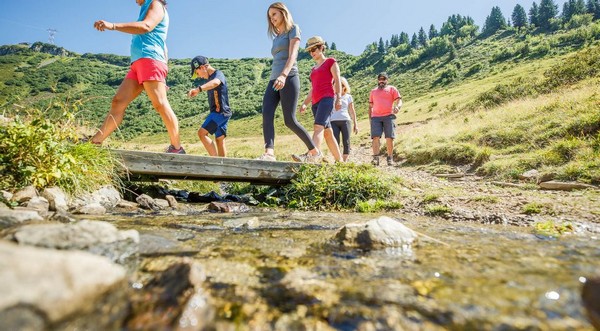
(284, 84)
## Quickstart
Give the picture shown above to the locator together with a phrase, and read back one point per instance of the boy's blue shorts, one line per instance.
(216, 123)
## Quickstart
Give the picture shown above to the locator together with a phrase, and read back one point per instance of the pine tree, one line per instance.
(414, 42)
(433, 32)
(566, 11)
(534, 13)
(494, 22)
(394, 40)
(519, 18)
(404, 38)
(579, 8)
(333, 46)
(593, 7)
(547, 11)
(422, 37)
(381, 46)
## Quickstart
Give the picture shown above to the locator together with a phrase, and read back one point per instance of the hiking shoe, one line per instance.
(174, 150)
(267, 157)
(307, 158)
(390, 161)
(375, 160)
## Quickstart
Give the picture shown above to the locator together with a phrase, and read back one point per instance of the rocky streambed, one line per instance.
(267, 269)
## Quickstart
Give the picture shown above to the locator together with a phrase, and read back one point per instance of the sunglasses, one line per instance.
(312, 49)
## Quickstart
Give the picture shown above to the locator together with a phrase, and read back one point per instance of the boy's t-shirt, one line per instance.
(218, 98)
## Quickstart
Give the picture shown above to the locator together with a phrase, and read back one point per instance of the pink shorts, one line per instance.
(145, 69)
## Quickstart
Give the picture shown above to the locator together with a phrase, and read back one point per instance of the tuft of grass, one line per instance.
(39, 148)
(377, 205)
(536, 208)
(431, 198)
(342, 186)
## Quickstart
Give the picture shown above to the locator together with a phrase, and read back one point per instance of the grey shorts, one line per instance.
(383, 124)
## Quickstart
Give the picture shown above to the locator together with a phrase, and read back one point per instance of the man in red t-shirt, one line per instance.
(384, 103)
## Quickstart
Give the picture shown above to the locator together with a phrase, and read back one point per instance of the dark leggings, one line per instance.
(344, 128)
(288, 96)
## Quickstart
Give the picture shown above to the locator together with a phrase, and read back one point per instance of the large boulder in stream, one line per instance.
(381, 232)
(98, 237)
(590, 295)
(44, 289)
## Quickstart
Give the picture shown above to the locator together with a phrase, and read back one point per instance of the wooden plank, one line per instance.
(189, 167)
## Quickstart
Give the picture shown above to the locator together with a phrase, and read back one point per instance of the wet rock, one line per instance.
(127, 205)
(62, 217)
(52, 290)
(173, 299)
(172, 201)
(57, 199)
(378, 233)
(100, 238)
(40, 204)
(304, 287)
(11, 217)
(228, 207)
(155, 245)
(162, 203)
(147, 202)
(242, 223)
(24, 194)
(94, 208)
(590, 295)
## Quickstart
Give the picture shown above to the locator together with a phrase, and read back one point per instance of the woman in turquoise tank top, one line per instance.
(148, 70)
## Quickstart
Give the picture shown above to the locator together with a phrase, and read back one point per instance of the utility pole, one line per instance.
(51, 34)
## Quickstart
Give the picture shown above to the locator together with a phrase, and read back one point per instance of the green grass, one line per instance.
(40, 149)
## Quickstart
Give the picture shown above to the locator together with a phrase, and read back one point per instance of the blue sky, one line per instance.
(234, 28)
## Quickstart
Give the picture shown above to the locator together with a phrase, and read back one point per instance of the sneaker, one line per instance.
(375, 160)
(174, 150)
(267, 157)
(307, 158)
(390, 161)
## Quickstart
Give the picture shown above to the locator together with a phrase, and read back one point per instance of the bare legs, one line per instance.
(389, 142)
(209, 145)
(127, 92)
(320, 133)
(157, 93)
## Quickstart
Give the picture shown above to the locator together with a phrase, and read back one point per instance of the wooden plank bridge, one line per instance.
(139, 165)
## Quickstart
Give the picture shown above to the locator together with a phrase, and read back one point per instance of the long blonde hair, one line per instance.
(287, 19)
(345, 85)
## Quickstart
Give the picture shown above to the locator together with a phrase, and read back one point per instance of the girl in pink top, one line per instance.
(325, 94)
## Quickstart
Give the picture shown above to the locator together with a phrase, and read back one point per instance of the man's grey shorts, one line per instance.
(383, 124)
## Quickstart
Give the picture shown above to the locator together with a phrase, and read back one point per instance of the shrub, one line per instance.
(338, 187)
(38, 149)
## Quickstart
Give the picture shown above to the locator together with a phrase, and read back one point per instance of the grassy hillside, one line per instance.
(500, 104)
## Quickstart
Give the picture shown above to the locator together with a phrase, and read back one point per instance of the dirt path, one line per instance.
(475, 199)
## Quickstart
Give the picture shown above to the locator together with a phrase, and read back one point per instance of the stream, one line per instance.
(280, 270)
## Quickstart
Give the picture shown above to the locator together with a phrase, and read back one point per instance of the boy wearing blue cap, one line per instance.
(215, 85)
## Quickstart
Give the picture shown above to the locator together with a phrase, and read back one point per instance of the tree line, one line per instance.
(544, 17)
